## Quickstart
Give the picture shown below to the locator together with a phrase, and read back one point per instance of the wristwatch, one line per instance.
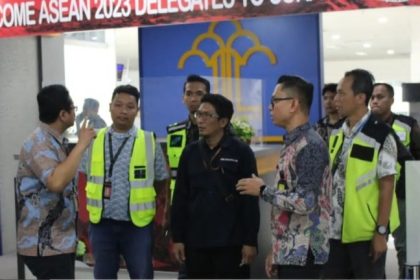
(382, 230)
(262, 188)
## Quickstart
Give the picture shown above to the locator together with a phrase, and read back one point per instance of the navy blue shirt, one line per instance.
(207, 211)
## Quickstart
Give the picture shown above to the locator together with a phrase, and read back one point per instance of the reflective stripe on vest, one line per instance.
(361, 190)
(141, 175)
(403, 131)
(175, 144)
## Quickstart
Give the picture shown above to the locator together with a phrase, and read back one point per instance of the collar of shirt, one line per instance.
(391, 119)
(59, 137)
(296, 133)
(224, 142)
(131, 132)
(356, 128)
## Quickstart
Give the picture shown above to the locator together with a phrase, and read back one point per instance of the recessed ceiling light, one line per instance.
(335, 37)
(382, 19)
(367, 45)
(390, 52)
(361, 53)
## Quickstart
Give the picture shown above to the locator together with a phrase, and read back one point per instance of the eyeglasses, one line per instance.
(74, 108)
(274, 100)
(205, 115)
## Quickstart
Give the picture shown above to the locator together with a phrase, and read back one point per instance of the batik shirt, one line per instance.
(46, 220)
(301, 199)
(324, 127)
(386, 166)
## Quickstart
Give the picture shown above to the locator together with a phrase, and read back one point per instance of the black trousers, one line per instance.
(309, 271)
(51, 267)
(215, 263)
(352, 261)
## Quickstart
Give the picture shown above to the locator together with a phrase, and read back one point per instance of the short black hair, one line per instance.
(304, 90)
(362, 82)
(196, 78)
(388, 87)
(52, 100)
(332, 87)
(222, 105)
(128, 89)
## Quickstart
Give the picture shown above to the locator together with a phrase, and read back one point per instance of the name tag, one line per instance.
(281, 187)
(229, 159)
(402, 135)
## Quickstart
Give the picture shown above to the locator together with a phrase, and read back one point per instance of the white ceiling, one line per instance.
(382, 30)
(344, 35)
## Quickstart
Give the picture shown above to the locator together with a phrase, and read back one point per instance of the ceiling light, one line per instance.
(367, 45)
(390, 52)
(335, 37)
(382, 19)
(361, 53)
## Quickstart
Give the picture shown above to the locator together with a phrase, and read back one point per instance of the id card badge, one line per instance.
(402, 135)
(281, 186)
(107, 189)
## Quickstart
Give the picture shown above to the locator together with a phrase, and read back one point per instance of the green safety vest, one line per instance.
(176, 141)
(142, 205)
(403, 131)
(361, 187)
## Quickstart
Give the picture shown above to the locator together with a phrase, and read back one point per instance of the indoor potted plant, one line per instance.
(243, 130)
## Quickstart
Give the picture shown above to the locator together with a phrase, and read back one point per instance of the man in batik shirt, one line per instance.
(46, 190)
(301, 196)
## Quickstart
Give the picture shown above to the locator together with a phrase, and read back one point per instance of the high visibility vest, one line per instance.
(176, 141)
(403, 131)
(142, 205)
(361, 202)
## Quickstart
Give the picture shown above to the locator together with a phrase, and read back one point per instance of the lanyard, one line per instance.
(208, 164)
(113, 158)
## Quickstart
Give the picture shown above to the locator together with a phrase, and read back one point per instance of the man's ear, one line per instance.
(62, 114)
(223, 122)
(295, 106)
(361, 97)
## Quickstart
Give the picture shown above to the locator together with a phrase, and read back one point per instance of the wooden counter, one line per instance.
(267, 156)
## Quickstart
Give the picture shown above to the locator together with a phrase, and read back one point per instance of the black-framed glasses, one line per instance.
(274, 100)
(74, 108)
(205, 115)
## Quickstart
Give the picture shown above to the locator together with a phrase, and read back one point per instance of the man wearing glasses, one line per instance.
(46, 191)
(301, 193)
(214, 229)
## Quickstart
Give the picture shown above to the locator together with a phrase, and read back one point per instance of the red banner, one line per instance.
(32, 17)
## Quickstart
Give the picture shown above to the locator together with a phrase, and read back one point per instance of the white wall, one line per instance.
(391, 70)
(91, 71)
(394, 71)
(130, 76)
(18, 117)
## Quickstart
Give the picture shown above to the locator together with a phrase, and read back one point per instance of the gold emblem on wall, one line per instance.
(226, 62)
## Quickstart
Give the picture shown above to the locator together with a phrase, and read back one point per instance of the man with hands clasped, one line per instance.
(301, 193)
(363, 155)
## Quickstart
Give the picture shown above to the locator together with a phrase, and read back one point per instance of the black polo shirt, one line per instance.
(207, 211)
